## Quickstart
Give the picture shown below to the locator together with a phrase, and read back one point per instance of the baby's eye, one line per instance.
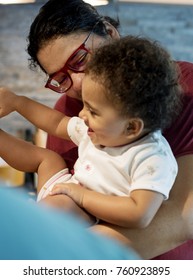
(92, 113)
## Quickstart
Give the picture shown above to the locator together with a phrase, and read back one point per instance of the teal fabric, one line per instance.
(32, 232)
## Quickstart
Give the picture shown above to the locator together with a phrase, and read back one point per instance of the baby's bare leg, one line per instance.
(27, 157)
(66, 204)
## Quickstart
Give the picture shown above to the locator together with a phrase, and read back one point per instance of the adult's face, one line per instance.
(62, 56)
(55, 56)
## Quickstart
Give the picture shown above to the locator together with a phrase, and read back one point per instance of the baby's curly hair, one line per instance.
(141, 78)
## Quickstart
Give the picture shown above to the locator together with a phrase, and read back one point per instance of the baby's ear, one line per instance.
(134, 127)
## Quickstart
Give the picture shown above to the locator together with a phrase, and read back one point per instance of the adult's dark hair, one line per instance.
(139, 77)
(58, 18)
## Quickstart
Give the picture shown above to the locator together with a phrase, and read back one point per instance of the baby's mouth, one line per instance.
(90, 131)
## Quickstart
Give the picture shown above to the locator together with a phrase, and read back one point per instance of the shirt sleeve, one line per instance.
(76, 129)
(156, 173)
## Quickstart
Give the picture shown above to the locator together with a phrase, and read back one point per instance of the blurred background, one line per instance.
(168, 21)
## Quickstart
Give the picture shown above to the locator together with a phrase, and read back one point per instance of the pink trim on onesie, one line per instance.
(60, 177)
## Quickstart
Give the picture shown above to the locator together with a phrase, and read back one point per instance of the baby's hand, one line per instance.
(7, 101)
(75, 191)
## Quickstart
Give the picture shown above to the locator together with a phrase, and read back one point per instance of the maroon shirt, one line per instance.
(179, 136)
(180, 133)
(67, 149)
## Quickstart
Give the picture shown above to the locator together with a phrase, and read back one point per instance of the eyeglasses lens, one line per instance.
(61, 81)
(78, 61)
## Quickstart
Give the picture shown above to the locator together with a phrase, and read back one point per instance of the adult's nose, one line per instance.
(77, 81)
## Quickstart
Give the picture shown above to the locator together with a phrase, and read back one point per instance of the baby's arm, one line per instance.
(136, 211)
(151, 182)
(49, 120)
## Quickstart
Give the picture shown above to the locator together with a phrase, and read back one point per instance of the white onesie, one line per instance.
(147, 163)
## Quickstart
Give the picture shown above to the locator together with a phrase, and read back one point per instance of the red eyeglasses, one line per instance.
(61, 81)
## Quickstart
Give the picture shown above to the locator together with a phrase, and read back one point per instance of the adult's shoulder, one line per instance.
(185, 66)
(180, 133)
(186, 76)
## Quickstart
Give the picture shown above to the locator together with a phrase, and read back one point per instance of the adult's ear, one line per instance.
(112, 31)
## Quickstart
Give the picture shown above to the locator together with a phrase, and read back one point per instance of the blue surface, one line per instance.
(31, 232)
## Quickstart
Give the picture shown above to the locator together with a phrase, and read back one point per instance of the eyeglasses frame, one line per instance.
(67, 67)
